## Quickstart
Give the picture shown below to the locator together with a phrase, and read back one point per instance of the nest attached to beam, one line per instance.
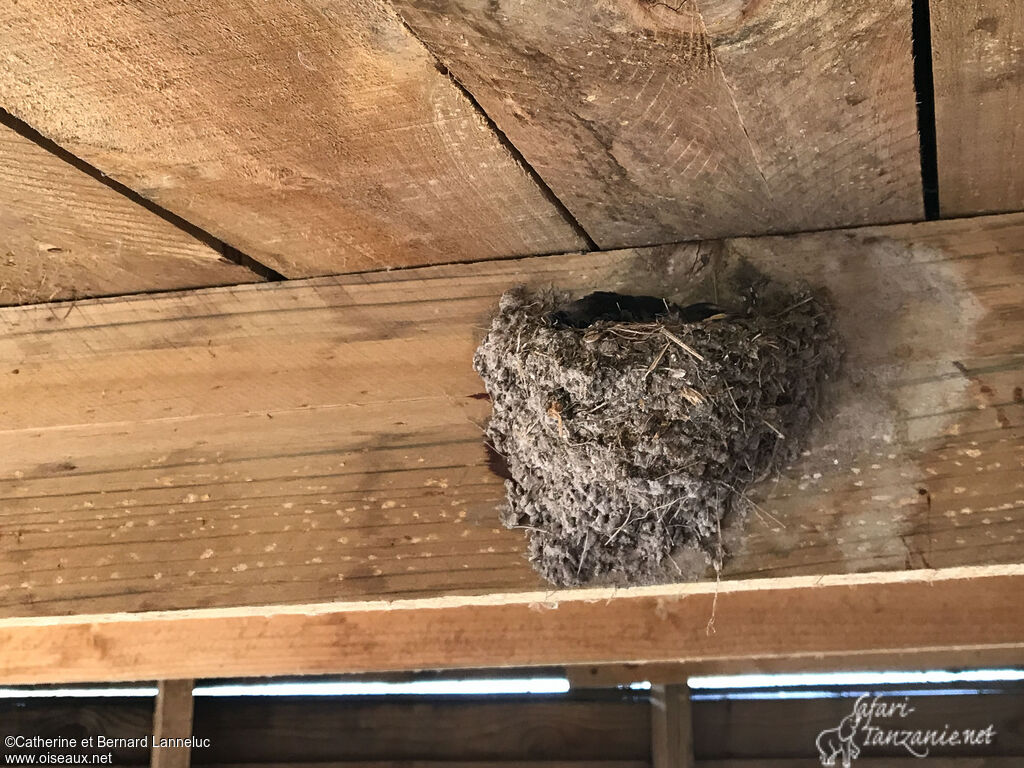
(628, 443)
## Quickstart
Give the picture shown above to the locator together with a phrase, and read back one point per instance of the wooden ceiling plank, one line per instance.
(316, 139)
(65, 235)
(979, 105)
(921, 611)
(655, 122)
(293, 442)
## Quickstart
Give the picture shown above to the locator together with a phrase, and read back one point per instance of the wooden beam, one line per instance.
(264, 448)
(756, 729)
(172, 719)
(979, 105)
(586, 729)
(124, 719)
(804, 616)
(65, 235)
(317, 139)
(301, 442)
(656, 122)
(671, 727)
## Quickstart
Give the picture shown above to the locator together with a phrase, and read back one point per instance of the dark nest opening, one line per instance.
(632, 427)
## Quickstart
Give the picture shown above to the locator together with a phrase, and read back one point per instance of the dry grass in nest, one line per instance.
(630, 443)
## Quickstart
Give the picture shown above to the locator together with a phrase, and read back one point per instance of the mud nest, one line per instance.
(630, 437)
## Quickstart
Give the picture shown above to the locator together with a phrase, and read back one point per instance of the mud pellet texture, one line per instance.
(629, 443)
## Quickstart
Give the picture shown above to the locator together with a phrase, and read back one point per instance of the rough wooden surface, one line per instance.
(314, 138)
(306, 441)
(64, 235)
(767, 730)
(978, 64)
(589, 728)
(671, 727)
(656, 122)
(113, 718)
(808, 616)
(172, 719)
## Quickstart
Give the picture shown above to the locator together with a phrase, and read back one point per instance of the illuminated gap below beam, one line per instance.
(77, 693)
(768, 694)
(807, 679)
(496, 687)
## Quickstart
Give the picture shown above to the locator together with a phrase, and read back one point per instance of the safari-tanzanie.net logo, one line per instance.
(878, 723)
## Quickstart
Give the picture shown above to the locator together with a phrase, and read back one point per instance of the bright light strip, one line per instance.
(485, 687)
(810, 693)
(76, 693)
(929, 677)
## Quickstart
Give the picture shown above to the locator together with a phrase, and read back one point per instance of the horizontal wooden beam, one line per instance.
(803, 616)
(762, 728)
(589, 728)
(261, 449)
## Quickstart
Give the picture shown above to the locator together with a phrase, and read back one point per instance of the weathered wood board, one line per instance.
(655, 122)
(763, 733)
(578, 729)
(804, 617)
(172, 719)
(321, 440)
(978, 65)
(316, 138)
(65, 235)
(113, 718)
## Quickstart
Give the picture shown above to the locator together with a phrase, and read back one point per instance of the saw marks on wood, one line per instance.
(814, 619)
(316, 138)
(321, 440)
(654, 123)
(978, 64)
(65, 235)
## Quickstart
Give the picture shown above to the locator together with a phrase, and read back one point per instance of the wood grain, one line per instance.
(172, 719)
(655, 122)
(771, 729)
(978, 65)
(926, 610)
(671, 727)
(259, 730)
(64, 235)
(79, 718)
(314, 138)
(314, 441)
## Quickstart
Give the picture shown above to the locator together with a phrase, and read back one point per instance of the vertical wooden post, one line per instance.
(671, 727)
(172, 719)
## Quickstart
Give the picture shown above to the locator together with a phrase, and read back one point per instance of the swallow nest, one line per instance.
(630, 445)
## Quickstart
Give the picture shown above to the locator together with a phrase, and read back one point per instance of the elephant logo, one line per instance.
(839, 742)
